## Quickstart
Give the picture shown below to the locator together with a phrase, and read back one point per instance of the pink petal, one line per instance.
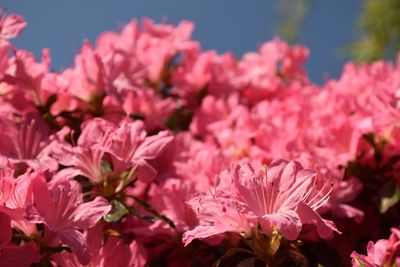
(347, 211)
(153, 145)
(19, 256)
(89, 213)
(138, 254)
(5, 226)
(12, 26)
(75, 240)
(200, 232)
(145, 172)
(288, 222)
(325, 228)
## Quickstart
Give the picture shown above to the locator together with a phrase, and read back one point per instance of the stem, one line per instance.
(151, 210)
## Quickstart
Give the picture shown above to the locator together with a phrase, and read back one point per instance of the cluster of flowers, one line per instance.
(149, 151)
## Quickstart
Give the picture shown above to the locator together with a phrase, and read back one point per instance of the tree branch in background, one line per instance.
(379, 31)
(292, 16)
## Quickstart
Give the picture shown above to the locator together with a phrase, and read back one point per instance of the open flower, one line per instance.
(385, 252)
(10, 25)
(62, 210)
(284, 197)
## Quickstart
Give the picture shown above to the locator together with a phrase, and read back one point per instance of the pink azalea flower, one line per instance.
(4, 57)
(159, 43)
(174, 193)
(127, 144)
(84, 159)
(260, 74)
(27, 142)
(61, 208)
(285, 197)
(385, 252)
(87, 79)
(7, 184)
(192, 161)
(11, 254)
(19, 256)
(27, 76)
(146, 102)
(11, 25)
(18, 200)
(106, 251)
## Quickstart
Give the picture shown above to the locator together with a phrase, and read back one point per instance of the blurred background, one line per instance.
(335, 31)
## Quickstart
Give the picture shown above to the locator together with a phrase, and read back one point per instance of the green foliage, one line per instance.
(377, 31)
(379, 27)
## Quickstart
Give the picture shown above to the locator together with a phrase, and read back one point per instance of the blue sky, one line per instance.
(223, 25)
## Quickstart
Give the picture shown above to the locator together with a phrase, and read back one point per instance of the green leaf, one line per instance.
(118, 211)
(390, 196)
(359, 263)
(105, 167)
(151, 210)
(127, 175)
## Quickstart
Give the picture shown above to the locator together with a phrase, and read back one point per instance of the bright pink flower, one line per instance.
(4, 57)
(21, 256)
(27, 75)
(285, 197)
(84, 159)
(170, 198)
(20, 197)
(385, 252)
(106, 251)
(145, 102)
(157, 44)
(272, 71)
(27, 142)
(345, 192)
(7, 183)
(10, 25)
(192, 161)
(11, 254)
(87, 79)
(193, 74)
(129, 143)
(62, 210)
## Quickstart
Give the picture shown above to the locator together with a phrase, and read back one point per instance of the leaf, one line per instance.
(359, 263)
(179, 120)
(151, 210)
(390, 196)
(105, 167)
(118, 211)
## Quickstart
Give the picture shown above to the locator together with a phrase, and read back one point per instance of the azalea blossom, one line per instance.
(385, 252)
(117, 159)
(284, 196)
(10, 25)
(62, 210)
